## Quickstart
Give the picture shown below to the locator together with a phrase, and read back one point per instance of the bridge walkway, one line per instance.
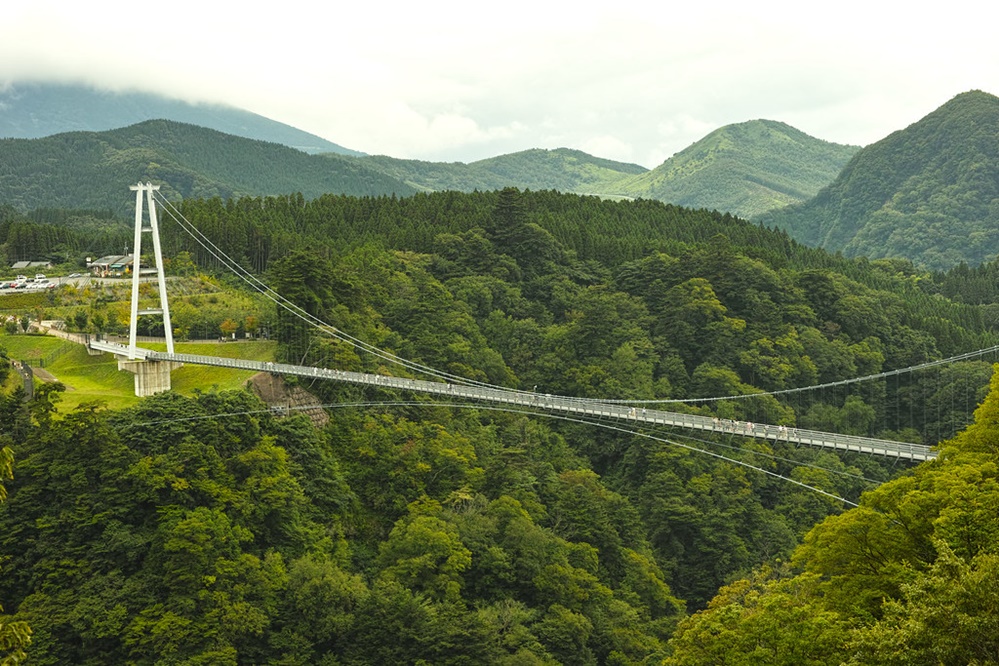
(581, 407)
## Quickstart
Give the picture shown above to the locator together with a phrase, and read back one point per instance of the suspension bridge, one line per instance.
(152, 372)
(546, 402)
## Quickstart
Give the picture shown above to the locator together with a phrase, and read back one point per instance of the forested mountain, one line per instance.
(92, 169)
(211, 529)
(744, 169)
(928, 193)
(36, 110)
(561, 169)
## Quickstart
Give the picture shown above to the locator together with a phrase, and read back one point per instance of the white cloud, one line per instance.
(434, 80)
(609, 147)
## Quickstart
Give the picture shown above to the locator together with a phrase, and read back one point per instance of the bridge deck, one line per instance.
(556, 403)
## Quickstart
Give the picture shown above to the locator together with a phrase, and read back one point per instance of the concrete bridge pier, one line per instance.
(151, 377)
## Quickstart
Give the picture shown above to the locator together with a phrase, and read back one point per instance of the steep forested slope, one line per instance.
(745, 169)
(928, 193)
(909, 577)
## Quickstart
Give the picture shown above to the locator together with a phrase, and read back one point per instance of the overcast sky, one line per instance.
(461, 81)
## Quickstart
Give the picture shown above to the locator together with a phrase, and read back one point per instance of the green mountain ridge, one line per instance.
(746, 169)
(90, 169)
(560, 169)
(928, 193)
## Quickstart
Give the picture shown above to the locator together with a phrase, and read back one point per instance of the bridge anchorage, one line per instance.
(152, 375)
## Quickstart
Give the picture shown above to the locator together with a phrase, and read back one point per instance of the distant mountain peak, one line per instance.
(92, 170)
(745, 168)
(32, 110)
(563, 169)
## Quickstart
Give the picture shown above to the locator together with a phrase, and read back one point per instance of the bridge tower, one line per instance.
(151, 377)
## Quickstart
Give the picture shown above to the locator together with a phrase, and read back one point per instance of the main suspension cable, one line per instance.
(296, 310)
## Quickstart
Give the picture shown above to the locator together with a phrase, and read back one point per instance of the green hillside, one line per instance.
(561, 169)
(98, 379)
(928, 192)
(745, 169)
(91, 169)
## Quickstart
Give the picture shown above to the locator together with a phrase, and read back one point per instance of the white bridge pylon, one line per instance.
(138, 271)
(151, 376)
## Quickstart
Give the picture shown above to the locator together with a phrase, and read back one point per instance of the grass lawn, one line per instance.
(97, 378)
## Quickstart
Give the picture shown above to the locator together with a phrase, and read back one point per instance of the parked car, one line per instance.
(39, 276)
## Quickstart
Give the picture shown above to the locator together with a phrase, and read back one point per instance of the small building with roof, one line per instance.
(118, 265)
(30, 265)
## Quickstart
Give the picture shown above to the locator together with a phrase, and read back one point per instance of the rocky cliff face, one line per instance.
(281, 396)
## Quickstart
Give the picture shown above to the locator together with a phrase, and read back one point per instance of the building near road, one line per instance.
(112, 266)
(28, 266)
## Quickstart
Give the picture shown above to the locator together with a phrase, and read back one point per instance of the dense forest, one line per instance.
(61, 236)
(211, 529)
(908, 578)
